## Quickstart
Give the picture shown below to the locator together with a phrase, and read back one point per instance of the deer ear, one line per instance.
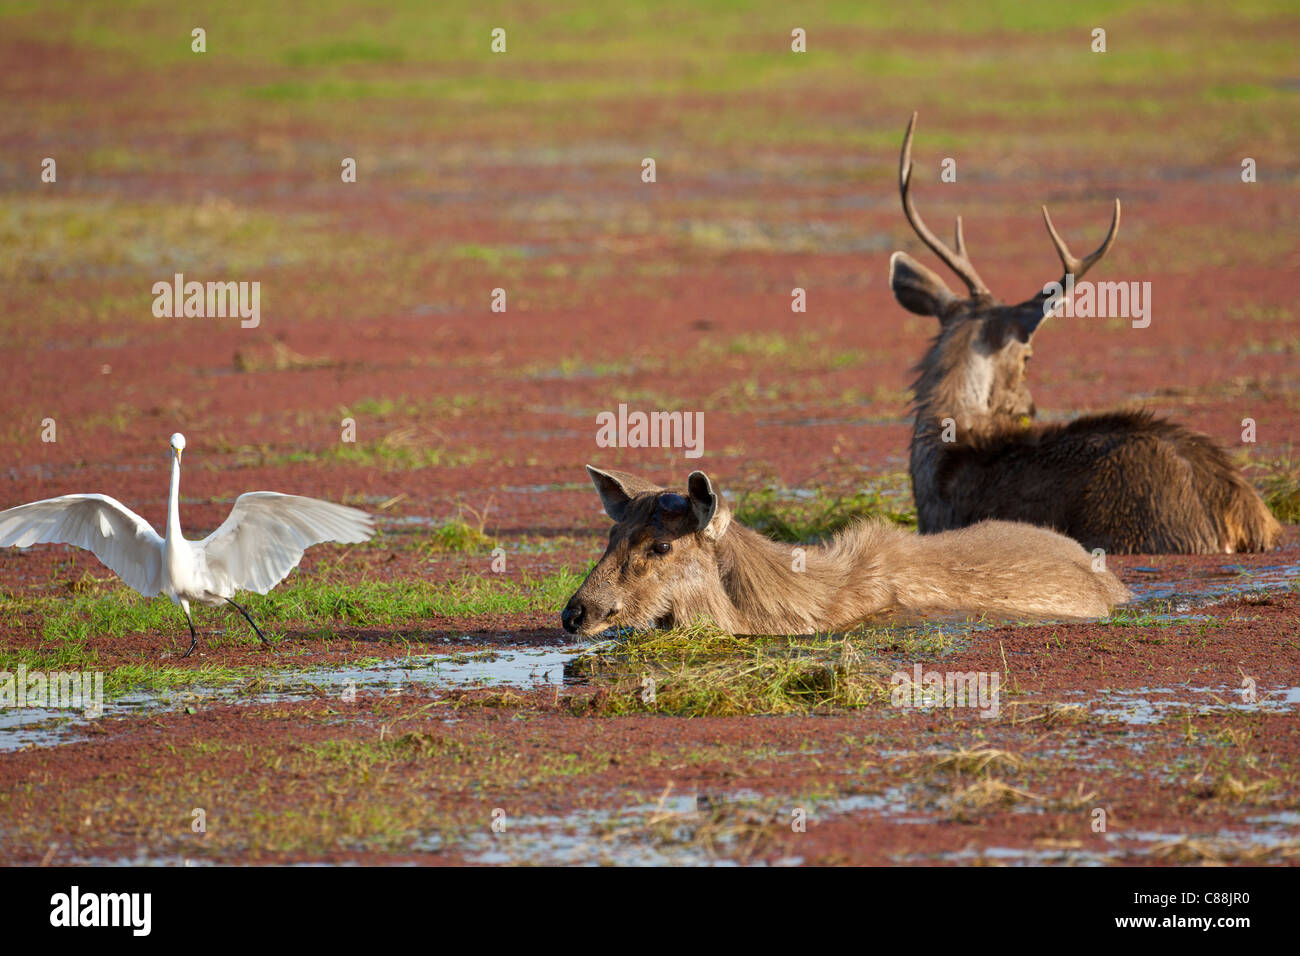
(916, 288)
(1027, 323)
(613, 491)
(710, 517)
(1023, 321)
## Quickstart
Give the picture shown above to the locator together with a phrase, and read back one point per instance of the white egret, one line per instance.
(261, 541)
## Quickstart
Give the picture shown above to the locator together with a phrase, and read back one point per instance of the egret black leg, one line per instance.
(194, 637)
(250, 621)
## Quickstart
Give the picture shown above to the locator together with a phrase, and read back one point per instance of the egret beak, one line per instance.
(177, 452)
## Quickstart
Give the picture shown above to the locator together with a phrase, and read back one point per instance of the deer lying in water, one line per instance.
(674, 559)
(1126, 482)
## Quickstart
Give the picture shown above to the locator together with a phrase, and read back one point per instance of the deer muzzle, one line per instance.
(573, 614)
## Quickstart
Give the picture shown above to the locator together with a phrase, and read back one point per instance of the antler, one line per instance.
(956, 261)
(1077, 267)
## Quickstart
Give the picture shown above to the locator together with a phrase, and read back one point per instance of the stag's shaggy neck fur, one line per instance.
(953, 385)
(954, 380)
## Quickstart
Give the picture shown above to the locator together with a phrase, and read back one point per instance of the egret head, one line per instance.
(178, 445)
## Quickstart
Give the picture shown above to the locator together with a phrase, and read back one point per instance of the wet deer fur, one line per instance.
(1124, 481)
(677, 558)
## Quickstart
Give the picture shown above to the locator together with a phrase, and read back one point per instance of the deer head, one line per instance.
(659, 559)
(976, 368)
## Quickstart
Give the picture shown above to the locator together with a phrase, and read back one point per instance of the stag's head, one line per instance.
(983, 349)
(659, 557)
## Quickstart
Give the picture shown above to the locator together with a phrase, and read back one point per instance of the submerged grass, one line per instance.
(704, 672)
(734, 829)
(971, 782)
(980, 760)
(1217, 852)
(700, 641)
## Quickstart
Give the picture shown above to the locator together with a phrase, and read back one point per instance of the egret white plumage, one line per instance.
(254, 549)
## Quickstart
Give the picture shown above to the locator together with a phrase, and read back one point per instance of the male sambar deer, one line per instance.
(1126, 482)
(675, 558)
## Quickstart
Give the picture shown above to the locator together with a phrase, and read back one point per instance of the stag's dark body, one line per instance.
(1126, 482)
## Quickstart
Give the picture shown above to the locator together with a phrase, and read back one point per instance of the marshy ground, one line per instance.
(420, 702)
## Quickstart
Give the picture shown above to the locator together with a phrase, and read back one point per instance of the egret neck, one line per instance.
(178, 560)
(174, 503)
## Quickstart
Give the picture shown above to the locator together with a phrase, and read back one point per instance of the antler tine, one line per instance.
(956, 261)
(1074, 266)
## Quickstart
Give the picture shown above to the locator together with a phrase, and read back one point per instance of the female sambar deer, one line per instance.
(1125, 482)
(676, 558)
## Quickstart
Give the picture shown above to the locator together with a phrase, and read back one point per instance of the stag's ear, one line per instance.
(616, 489)
(1021, 323)
(1028, 319)
(916, 288)
(711, 517)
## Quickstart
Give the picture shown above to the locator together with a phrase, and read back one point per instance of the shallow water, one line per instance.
(621, 837)
(1161, 597)
(1163, 584)
(667, 832)
(1144, 705)
(514, 667)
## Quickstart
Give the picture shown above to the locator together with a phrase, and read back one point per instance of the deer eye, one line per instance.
(661, 547)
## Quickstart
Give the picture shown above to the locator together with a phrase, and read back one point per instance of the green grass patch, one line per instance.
(1280, 487)
(803, 351)
(57, 237)
(1158, 614)
(300, 603)
(403, 449)
(331, 52)
(457, 535)
(492, 255)
(818, 513)
(425, 407)
(74, 656)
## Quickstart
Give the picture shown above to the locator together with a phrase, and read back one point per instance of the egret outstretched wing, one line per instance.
(102, 525)
(266, 534)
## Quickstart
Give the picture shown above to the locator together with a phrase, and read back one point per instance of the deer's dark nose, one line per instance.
(571, 617)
